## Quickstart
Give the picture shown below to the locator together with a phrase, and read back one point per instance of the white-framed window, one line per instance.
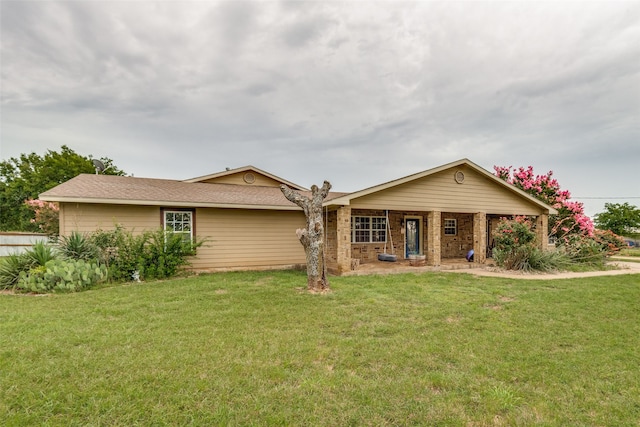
(368, 229)
(450, 227)
(179, 222)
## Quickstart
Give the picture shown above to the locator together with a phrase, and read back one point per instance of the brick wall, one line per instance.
(330, 244)
(368, 252)
(457, 246)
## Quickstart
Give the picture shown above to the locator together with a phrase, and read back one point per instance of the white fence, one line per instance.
(16, 243)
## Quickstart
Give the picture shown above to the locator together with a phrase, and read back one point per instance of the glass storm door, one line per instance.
(412, 236)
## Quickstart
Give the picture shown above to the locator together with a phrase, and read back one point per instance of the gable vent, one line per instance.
(249, 178)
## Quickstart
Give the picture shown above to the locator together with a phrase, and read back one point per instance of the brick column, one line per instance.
(434, 227)
(343, 239)
(480, 237)
(542, 231)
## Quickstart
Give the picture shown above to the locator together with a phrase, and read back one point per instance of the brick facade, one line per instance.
(471, 234)
(457, 246)
(340, 250)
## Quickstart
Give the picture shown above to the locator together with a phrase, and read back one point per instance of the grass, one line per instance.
(254, 349)
(635, 252)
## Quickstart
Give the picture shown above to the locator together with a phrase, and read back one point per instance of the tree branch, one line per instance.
(295, 197)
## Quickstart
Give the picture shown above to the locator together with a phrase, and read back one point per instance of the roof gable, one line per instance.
(439, 185)
(246, 175)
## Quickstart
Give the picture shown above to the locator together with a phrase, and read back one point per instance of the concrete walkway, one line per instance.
(461, 266)
(621, 268)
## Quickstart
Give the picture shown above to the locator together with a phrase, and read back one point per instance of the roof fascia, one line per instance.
(245, 169)
(168, 203)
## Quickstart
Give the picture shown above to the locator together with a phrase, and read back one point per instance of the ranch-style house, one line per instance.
(247, 222)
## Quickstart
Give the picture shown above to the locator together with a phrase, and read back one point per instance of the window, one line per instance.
(179, 222)
(368, 229)
(450, 227)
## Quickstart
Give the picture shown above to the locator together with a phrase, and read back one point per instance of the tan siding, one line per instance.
(441, 192)
(243, 238)
(238, 179)
(234, 238)
(85, 217)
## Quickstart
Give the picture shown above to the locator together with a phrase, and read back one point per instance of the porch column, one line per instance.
(434, 227)
(480, 237)
(343, 239)
(542, 231)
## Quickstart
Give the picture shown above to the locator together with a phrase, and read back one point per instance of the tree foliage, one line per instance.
(570, 219)
(622, 219)
(25, 177)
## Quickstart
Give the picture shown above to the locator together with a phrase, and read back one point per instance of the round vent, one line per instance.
(249, 178)
(459, 177)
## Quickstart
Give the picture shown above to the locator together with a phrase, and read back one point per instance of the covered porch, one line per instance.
(440, 214)
(355, 238)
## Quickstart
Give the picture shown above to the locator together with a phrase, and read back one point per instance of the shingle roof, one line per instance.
(87, 188)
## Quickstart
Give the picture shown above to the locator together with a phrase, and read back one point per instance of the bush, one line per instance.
(10, 268)
(40, 253)
(62, 275)
(611, 243)
(592, 250)
(164, 253)
(77, 246)
(515, 248)
(150, 255)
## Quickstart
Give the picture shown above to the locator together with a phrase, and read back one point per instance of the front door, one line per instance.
(412, 236)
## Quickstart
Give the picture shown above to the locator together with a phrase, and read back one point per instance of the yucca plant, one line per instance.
(77, 246)
(10, 268)
(40, 253)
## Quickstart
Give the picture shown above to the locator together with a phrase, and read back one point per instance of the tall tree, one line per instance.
(622, 219)
(25, 177)
(312, 237)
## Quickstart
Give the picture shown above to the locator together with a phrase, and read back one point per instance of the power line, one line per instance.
(605, 198)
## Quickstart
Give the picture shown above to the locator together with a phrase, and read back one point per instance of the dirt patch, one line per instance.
(22, 294)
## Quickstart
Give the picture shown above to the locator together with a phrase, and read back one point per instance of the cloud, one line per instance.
(357, 92)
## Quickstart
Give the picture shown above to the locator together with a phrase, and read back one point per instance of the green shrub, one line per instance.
(62, 275)
(10, 268)
(40, 253)
(515, 248)
(150, 255)
(77, 246)
(164, 254)
(591, 251)
(611, 243)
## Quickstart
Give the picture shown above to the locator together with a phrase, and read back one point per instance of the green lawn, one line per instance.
(635, 252)
(253, 349)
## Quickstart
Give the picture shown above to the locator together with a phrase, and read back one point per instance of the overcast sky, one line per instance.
(358, 93)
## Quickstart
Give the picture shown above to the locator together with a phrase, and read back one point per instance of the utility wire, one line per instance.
(605, 198)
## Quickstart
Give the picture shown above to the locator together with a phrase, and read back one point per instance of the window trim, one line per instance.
(163, 220)
(446, 227)
(370, 229)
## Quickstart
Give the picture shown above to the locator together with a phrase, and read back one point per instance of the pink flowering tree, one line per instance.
(570, 219)
(46, 216)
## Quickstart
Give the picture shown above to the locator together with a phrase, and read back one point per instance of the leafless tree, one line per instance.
(312, 237)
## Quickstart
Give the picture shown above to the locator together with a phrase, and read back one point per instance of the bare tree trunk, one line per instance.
(312, 237)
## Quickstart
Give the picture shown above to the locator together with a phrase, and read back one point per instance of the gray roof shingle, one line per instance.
(88, 188)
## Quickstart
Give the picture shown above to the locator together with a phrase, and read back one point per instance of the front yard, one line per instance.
(254, 349)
